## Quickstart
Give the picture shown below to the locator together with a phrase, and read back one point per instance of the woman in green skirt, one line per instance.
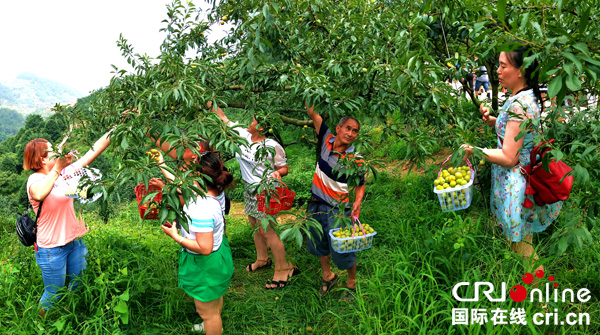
(205, 262)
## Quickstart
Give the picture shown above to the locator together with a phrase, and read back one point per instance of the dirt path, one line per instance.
(237, 211)
(400, 168)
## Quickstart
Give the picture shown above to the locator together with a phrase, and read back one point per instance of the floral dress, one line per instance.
(508, 184)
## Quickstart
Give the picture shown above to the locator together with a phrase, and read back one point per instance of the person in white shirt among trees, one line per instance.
(253, 171)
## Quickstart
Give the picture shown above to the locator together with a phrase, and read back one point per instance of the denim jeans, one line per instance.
(57, 264)
(478, 84)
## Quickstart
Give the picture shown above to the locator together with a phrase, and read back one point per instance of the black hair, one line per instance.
(531, 72)
(345, 119)
(211, 166)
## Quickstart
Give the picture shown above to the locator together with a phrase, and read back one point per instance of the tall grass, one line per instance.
(405, 279)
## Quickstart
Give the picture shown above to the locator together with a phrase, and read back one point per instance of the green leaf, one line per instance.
(524, 21)
(590, 60)
(588, 150)
(583, 20)
(298, 238)
(285, 234)
(573, 59)
(581, 47)
(163, 216)
(562, 245)
(125, 295)
(477, 27)
(60, 324)
(501, 9)
(573, 82)
(568, 68)
(124, 143)
(555, 86)
(121, 307)
(537, 28)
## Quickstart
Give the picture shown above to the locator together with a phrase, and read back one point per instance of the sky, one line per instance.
(74, 42)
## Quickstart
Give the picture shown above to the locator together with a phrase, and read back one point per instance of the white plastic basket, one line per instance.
(71, 184)
(354, 243)
(458, 197)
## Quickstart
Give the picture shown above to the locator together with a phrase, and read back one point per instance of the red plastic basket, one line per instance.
(282, 199)
(140, 193)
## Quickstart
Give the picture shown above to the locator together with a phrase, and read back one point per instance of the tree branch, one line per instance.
(243, 88)
(284, 119)
(233, 105)
(295, 122)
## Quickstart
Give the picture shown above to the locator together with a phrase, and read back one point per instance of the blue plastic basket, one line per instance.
(355, 243)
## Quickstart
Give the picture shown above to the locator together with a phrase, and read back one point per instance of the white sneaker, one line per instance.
(198, 327)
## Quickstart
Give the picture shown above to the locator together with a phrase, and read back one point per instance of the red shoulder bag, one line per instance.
(546, 187)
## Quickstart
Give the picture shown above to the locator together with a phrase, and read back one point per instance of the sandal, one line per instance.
(271, 282)
(348, 295)
(282, 283)
(328, 285)
(268, 263)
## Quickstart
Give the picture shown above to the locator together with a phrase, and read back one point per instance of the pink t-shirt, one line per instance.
(58, 224)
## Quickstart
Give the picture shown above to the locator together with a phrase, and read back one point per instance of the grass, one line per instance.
(405, 279)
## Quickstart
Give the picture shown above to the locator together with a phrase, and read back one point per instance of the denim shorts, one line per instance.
(59, 264)
(319, 247)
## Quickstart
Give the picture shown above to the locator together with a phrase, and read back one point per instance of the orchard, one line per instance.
(397, 66)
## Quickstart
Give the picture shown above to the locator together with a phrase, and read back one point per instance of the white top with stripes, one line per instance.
(206, 216)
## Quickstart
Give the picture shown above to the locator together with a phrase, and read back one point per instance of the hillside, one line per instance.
(10, 123)
(29, 93)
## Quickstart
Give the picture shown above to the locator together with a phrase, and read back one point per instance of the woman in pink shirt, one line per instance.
(60, 253)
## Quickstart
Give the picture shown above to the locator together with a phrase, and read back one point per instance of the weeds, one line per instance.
(405, 279)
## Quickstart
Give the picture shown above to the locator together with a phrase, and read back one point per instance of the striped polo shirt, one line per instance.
(328, 186)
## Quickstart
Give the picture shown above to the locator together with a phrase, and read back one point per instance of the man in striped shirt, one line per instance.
(330, 194)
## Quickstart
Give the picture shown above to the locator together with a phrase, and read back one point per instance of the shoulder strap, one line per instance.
(541, 150)
(39, 213)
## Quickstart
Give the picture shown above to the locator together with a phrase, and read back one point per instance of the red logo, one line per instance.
(518, 293)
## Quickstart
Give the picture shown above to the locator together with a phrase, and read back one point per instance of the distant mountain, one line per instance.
(29, 93)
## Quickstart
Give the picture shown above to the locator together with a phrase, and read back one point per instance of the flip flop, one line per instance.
(328, 284)
(267, 265)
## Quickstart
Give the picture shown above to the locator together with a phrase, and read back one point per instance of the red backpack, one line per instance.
(547, 187)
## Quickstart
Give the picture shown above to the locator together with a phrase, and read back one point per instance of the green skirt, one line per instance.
(206, 278)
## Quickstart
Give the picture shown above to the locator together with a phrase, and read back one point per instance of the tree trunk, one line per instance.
(490, 65)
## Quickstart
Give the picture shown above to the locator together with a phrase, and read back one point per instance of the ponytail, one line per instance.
(212, 167)
(538, 96)
(224, 179)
